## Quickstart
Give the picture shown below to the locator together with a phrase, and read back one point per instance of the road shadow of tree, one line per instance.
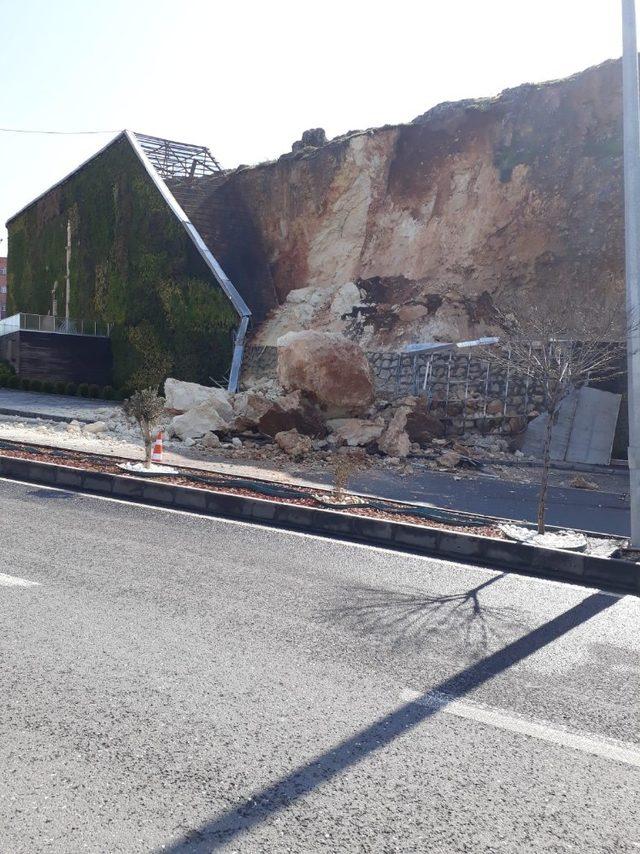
(406, 618)
(261, 805)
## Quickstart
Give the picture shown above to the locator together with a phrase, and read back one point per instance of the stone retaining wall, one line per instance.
(483, 388)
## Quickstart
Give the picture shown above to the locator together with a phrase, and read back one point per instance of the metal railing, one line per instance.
(54, 323)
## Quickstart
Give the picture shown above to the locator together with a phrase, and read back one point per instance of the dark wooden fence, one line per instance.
(53, 356)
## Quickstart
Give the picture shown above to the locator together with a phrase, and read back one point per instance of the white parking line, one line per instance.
(618, 751)
(14, 581)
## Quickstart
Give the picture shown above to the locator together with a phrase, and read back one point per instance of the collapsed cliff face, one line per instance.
(415, 232)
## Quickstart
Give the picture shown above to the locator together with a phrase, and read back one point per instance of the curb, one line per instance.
(619, 576)
(41, 416)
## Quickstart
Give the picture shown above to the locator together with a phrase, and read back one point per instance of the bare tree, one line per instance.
(345, 463)
(145, 408)
(557, 348)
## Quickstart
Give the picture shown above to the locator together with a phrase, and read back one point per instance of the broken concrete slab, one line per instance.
(584, 429)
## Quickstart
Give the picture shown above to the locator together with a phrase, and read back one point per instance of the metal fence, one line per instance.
(53, 323)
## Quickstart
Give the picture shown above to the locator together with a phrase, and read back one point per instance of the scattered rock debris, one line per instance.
(580, 482)
(325, 406)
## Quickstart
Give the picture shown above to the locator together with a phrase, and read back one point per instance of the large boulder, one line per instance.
(328, 366)
(205, 418)
(182, 396)
(356, 431)
(312, 138)
(248, 409)
(421, 425)
(293, 411)
(395, 440)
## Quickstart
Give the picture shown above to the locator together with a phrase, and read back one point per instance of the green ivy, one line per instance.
(132, 264)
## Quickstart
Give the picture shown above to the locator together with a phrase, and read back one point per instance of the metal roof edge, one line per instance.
(66, 177)
(220, 276)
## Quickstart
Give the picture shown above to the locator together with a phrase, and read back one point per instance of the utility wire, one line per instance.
(57, 132)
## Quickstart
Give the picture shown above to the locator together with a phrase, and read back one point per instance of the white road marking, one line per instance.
(484, 570)
(607, 748)
(14, 581)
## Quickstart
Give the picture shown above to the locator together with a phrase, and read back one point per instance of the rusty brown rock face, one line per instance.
(472, 205)
(293, 411)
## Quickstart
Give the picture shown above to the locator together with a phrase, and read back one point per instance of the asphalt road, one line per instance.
(602, 512)
(183, 684)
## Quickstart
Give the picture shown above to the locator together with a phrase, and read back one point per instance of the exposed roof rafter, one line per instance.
(174, 159)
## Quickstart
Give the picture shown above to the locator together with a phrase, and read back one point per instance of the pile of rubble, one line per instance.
(323, 401)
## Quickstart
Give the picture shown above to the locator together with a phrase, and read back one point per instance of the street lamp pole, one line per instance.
(631, 133)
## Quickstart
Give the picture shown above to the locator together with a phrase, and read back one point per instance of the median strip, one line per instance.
(401, 532)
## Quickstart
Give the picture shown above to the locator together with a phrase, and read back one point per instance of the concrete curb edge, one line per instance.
(40, 416)
(615, 575)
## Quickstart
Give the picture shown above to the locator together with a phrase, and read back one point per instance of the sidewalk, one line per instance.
(56, 407)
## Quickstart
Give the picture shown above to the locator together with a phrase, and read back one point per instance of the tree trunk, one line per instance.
(148, 446)
(546, 464)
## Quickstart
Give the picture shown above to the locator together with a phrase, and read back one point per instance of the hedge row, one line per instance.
(106, 392)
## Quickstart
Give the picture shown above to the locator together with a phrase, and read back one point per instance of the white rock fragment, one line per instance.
(356, 431)
(210, 416)
(96, 427)
(184, 396)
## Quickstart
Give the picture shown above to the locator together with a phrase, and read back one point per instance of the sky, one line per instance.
(246, 78)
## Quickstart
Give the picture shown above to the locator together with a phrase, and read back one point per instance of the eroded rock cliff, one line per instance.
(415, 232)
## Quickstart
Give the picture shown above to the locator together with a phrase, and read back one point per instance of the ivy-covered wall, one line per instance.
(132, 264)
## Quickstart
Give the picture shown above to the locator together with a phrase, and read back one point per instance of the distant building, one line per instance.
(3, 287)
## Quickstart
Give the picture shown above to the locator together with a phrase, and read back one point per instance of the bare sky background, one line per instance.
(246, 78)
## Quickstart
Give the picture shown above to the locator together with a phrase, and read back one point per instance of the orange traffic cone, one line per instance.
(156, 454)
